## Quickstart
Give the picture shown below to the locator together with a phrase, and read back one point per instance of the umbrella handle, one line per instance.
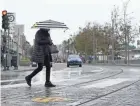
(66, 29)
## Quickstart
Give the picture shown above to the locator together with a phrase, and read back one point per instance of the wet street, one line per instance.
(76, 86)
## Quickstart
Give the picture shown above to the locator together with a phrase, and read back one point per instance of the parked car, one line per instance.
(74, 60)
(34, 64)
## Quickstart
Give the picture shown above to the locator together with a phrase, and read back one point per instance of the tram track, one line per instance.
(98, 79)
(104, 95)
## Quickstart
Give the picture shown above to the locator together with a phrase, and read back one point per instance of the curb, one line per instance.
(18, 70)
(22, 70)
(114, 65)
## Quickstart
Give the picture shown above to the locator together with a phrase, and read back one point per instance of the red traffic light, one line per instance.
(4, 12)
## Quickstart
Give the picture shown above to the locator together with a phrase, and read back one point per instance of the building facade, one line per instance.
(16, 44)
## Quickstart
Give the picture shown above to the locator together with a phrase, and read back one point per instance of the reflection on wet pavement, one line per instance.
(79, 85)
(56, 76)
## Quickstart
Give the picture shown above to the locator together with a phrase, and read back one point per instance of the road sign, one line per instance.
(12, 28)
(12, 22)
(11, 17)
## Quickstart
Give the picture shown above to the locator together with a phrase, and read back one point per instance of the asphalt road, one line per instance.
(86, 86)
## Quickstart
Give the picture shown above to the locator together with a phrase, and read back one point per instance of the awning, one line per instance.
(50, 24)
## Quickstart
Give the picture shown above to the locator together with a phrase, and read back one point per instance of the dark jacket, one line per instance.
(41, 46)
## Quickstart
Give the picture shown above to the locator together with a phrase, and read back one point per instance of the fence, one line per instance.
(107, 59)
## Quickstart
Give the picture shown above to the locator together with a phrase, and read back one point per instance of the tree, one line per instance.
(93, 38)
(31, 50)
(123, 30)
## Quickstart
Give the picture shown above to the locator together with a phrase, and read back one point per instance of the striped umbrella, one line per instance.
(50, 24)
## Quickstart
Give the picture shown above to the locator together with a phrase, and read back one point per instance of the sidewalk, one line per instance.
(115, 64)
(20, 68)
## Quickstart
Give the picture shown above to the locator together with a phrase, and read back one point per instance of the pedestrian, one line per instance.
(41, 55)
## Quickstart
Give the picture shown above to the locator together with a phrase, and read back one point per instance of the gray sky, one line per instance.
(74, 13)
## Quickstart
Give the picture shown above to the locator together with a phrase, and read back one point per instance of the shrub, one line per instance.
(25, 62)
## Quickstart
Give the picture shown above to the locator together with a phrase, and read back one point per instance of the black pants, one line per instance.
(40, 67)
(50, 57)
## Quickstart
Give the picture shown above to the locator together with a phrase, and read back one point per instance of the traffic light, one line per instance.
(5, 20)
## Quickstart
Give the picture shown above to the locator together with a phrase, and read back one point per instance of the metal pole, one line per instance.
(8, 52)
(113, 19)
(128, 50)
(4, 51)
(112, 45)
(128, 28)
(96, 51)
(125, 35)
(18, 49)
(68, 47)
(112, 40)
(93, 45)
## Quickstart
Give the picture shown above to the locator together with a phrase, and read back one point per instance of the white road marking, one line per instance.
(21, 85)
(40, 78)
(11, 80)
(97, 70)
(106, 83)
(134, 70)
(42, 72)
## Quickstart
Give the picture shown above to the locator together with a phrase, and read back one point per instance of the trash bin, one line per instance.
(8, 60)
(14, 61)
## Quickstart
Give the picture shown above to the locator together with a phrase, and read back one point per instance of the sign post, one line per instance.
(11, 30)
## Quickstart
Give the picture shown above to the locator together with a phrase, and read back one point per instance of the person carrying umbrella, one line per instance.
(41, 55)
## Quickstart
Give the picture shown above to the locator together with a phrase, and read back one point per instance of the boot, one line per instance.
(49, 84)
(29, 77)
(28, 80)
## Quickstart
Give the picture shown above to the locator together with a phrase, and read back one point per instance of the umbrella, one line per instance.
(50, 24)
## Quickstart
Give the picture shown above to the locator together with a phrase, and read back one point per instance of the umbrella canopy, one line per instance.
(49, 24)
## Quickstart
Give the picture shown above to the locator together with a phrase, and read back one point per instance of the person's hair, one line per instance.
(43, 32)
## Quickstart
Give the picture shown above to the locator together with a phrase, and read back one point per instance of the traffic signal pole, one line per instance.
(18, 49)
(8, 51)
(5, 26)
(4, 51)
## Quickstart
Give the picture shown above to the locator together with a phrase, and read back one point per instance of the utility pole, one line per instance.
(5, 26)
